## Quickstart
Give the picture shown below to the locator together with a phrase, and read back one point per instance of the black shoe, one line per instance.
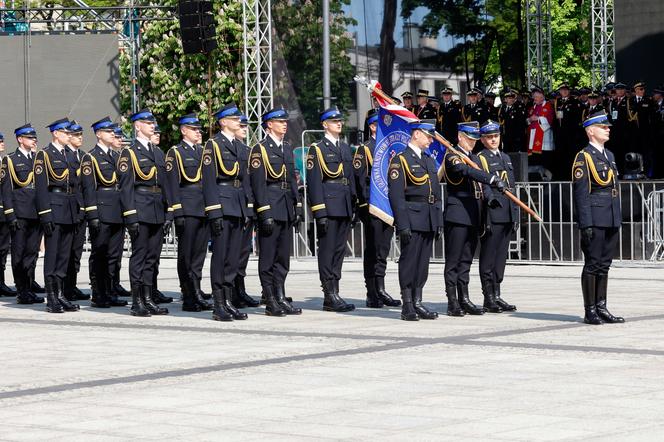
(53, 304)
(64, 302)
(100, 301)
(453, 307)
(201, 293)
(272, 307)
(36, 288)
(189, 303)
(408, 312)
(373, 301)
(121, 291)
(111, 296)
(490, 304)
(383, 295)
(137, 306)
(588, 288)
(332, 301)
(197, 295)
(159, 298)
(6, 290)
(601, 286)
(241, 298)
(219, 312)
(280, 295)
(465, 302)
(420, 309)
(506, 306)
(153, 308)
(227, 294)
(79, 295)
(36, 299)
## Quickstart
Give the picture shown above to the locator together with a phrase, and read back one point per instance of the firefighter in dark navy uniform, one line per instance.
(500, 219)
(512, 118)
(424, 110)
(117, 146)
(5, 235)
(597, 208)
(279, 208)
(20, 210)
(377, 233)
(448, 115)
(103, 212)
(56, 186)
(465, 191)
(184, 163)
(415, 198)
(142, 178)
(224, 170)
(332, 197)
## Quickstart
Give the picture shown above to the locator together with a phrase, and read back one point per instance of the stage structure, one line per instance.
(603, 43)
(538, 50)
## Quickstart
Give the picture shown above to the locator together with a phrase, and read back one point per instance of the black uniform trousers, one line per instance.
(414, 261)
(598, 253)
(192, 248)
(247, 236)
(460, 245)
(225, 253)
(377, 242)
(25, 250)
(76, 253)
(4, 247)
(145, 251)
(332, 248)
(494, 245)
(58, 250)
(274, 255)
(107, 251)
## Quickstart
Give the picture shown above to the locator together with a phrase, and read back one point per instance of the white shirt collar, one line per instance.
(495, 152)
(58, 146)
(103, 147)
(229, 137)
(144, 141)
(417, 150)
(597, 146)
(187, 143)
(276, 140)
(331, 138)
(26, 153)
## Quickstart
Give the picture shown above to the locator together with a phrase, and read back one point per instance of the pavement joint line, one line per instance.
(562, 347)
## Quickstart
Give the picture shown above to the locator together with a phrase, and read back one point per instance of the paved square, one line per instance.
(536, 374)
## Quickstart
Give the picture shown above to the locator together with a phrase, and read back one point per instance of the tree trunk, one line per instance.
(387, 46)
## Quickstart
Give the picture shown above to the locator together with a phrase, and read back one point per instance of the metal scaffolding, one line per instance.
(538, 35)
(603, 42)
(258, 85)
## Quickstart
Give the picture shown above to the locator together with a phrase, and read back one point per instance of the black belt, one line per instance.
(283, 185)
(107, 188)
(60, 190)
(613, 192)
(235, 183)
(147, 189)
(343, 181)
(474, 195)
(421, 199)
(187, 185)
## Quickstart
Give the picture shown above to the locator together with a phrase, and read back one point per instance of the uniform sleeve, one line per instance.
(360, 168)
(246, 182)
(397, 194)
(173, 183)
(486, 189)
(257, 178)
(89, 187)
(213, 207)
(581, 189)
(6, 188)
(294, 190)
(126, 180)
(315, 184)
(42, 198)
(455, 164)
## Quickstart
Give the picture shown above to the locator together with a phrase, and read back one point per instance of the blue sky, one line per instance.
(374, 20)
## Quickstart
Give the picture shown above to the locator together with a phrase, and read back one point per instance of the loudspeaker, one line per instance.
(520, 163)
(197, 26)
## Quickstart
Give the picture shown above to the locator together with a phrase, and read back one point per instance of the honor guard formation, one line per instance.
(217, 193)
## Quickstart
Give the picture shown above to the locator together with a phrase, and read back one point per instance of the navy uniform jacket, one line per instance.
(464, 189)
(99, 180)
(56, 185)
(184, 167)
(477, 112)
(224, 170)
(77, 155)
(142, 177)
(272, 175)
(500, 166)
(426, 112)
(246, 182)
(414, 192)
(362, 163)
(330, 180)
(447, 118)
(18, 187)
(512, 121)
(596, 190)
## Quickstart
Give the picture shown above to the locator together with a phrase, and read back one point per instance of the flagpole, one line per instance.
(378, 92)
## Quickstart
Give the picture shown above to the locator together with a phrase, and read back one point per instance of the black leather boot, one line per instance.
(111, 296)
(601, 287)
(189, 303)
(272, 306)
(35, 287)
(453, 307)
(201, 293)
(71, 292)
(219, 312)
(137, 306)
(153, 308)
(22, 294)
(159, 298)
(241, 298)
(588, 288)
(117, 287)
(490, 304)
(228, 304)
(32, 288)
(94, 287)
(408, 312)
(198, 295)
(100, 297)
(465, 302)
(280, 294)
(5, 290)
(332, 302)
(383, 295)
(373, 301)
(420, 309)
(506, 306)
(52, 302)
(68, 306)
